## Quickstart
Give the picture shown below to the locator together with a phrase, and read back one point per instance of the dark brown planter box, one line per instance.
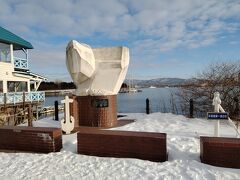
(33, 139)
(220, 151)
(123, 144)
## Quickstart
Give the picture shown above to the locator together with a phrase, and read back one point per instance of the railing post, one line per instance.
(14, 115)
(30, 115)
(38, 96)
(191, 108)
(37, 112)
(237, 109)
(30, 95)
(236, 112)
(11, 54)
(24, 113)
(56, 110)
(147, 106)
(5, 99)
(44, 96)
(14, 98)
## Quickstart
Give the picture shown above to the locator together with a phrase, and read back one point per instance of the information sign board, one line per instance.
(217, 116)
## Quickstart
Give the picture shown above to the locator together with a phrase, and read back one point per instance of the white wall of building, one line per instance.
(6, 69)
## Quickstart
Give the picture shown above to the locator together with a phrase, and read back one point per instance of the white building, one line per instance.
(17, 82)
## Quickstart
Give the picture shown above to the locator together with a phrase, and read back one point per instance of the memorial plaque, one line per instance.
(217, 116)
(99, 103)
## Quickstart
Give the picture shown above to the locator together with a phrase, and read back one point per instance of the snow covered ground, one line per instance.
(183, 148)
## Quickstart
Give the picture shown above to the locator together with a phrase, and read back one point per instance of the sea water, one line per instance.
(160, 100)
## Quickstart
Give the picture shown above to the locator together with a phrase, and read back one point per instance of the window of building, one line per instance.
(5, 53)
(17, 86)
(1, 86)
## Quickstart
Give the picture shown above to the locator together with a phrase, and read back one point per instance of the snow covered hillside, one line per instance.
(182, 143)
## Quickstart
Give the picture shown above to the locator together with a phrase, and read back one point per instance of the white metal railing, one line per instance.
(1, 98)
(231, 122)
(20, 63)
(18, 97)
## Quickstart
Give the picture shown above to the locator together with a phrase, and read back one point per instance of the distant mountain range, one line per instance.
(160, 82)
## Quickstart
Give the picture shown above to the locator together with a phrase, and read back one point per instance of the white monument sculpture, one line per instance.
(216, 102)
(97, 71)
(98, 74)
(67, 123)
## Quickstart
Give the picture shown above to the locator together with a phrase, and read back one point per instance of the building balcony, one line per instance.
(20, 97)
(20, 63)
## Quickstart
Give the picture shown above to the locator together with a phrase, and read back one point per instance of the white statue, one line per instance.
(97, 71)
(67, 123)
(216, 102)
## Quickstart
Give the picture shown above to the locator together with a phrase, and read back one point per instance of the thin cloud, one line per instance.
(149, 27)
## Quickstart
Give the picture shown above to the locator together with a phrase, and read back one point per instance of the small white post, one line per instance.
(216, 103)
(68, 123)
(216, 129)
(35, 85)
(28, 86)
(27, 55)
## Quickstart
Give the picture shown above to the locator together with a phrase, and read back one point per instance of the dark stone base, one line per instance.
(94, 111)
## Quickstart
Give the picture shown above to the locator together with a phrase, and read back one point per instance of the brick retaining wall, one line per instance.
(220, 151)
(33, 139)
(124, 144)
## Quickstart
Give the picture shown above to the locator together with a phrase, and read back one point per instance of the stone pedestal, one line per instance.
(94, 111)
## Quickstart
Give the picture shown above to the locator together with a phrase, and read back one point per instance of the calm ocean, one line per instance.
(160, 99)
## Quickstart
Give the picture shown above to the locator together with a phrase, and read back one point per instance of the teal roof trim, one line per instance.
(10, 38)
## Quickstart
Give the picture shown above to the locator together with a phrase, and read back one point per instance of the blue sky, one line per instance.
(167, 38)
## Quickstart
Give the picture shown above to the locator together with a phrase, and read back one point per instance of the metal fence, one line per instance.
(18, 97)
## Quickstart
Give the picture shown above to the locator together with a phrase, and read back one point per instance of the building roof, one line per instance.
(10, 38)
(30, 75)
